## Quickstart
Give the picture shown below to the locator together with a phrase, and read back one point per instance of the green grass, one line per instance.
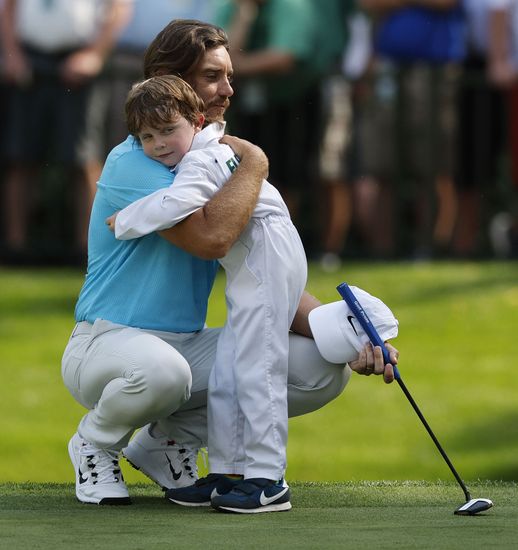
(400, 515)
(458, 348)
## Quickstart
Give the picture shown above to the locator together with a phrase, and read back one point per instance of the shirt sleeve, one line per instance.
(194, 184)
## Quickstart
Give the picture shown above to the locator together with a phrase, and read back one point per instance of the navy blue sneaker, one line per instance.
(255, 495)
(201, 492)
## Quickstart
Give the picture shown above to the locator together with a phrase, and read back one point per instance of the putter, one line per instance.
(472, 506)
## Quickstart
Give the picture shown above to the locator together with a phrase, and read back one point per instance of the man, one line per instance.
(140, 355)
(408, 127)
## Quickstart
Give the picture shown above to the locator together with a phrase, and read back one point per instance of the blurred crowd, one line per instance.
(391, 126)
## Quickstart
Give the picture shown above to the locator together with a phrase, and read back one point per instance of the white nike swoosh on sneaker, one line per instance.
(82, 479)
(214, 493)
(264, 500)
(176, 475)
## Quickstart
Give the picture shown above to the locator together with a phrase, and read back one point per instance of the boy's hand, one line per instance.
(110, 222)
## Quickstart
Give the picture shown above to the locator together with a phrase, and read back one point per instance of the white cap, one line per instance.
(339, 336)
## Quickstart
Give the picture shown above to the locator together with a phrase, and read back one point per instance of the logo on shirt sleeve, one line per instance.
(232, 163)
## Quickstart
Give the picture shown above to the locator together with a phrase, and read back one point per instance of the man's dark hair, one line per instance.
(180, 46)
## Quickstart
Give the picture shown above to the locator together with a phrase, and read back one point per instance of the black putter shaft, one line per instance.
(434, 439)
(347, 294)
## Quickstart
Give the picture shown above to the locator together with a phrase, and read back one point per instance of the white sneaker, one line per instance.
(170, 465)
(98, 476)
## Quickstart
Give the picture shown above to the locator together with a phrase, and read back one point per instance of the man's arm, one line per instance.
(300, 323)
(210, 232)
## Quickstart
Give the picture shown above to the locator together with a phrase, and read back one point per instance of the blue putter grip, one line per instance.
(354, 305)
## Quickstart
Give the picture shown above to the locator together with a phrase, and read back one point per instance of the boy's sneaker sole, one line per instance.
(284, 507)
(189, 504)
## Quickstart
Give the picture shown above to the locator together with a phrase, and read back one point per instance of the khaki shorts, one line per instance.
(408, 121)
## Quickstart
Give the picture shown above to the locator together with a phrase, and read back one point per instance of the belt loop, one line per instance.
(83, 327)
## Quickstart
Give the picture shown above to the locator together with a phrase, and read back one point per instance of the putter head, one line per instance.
(473, 506)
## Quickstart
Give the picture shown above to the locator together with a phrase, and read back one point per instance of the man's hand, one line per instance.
(210, 232)
(370, 361)
(253, 153)
(110, 222)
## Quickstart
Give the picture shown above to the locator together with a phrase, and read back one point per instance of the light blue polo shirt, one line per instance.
(146, 283)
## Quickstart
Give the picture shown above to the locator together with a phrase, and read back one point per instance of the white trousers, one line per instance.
(128, 377)
(266, 272)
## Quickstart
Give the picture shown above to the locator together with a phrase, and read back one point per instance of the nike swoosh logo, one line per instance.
(214, 493)
(264, 500)
(350, 319)
(176, 475)
(82, 479)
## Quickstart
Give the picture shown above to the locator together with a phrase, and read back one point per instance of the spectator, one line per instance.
(273, 44)
(409, 127)
(503, 71)
(481, 111)
(54, 54)
(3, 115)
(335, 125)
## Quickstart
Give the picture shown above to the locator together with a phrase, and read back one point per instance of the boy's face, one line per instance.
(211, 81)
(169, 142)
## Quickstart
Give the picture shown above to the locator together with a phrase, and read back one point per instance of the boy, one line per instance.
(266, 273)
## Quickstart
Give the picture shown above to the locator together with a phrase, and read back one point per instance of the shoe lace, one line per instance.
(103, 464)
